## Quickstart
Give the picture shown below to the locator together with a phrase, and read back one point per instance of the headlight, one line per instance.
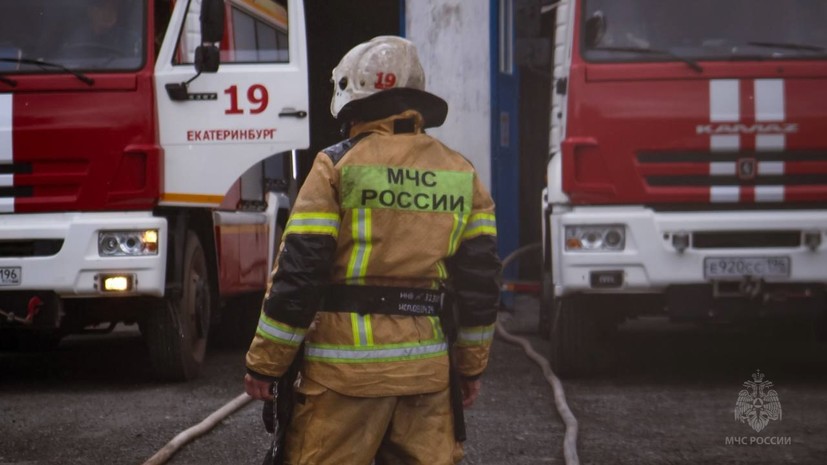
(595, 238)
(127, 243)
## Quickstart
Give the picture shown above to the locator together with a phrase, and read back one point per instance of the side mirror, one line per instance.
(212, 21)
(207, 59)
(207, 55)
(594, 29)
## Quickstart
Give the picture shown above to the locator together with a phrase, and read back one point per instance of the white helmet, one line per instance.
(381, 64)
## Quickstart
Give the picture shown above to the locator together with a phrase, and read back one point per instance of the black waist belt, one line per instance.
(383, 300)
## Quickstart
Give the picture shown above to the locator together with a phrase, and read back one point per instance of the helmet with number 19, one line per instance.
(380, 77)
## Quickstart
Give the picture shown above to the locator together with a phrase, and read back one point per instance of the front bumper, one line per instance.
(75, 270)
(650, 262)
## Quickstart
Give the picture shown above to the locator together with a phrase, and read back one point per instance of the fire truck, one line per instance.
(687, 168)
(145, 158)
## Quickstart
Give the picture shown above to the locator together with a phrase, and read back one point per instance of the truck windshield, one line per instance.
(86, 35)
(622, 30)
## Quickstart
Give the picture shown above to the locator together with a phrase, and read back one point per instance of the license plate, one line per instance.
(739, 267)
(10, 275)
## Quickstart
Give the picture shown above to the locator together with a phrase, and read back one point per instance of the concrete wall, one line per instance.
(453, 40)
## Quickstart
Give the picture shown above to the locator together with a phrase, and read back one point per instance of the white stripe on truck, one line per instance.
(5, 128)
(769, 100)
(6, 154)
(724, 101)
(725, 107)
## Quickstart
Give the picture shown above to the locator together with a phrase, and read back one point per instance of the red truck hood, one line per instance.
(662, 133)
(70, 146)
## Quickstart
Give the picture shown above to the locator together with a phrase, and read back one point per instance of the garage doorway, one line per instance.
(333, 28)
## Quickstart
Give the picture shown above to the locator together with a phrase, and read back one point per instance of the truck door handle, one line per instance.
(293, 113)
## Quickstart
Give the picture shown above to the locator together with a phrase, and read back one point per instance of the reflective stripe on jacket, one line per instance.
(382, 209)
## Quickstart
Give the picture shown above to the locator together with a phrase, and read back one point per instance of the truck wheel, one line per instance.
(176, 330)
(573, 336)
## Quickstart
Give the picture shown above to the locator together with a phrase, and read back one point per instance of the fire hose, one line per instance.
(570, 422)
(193, 432)
(570, 437)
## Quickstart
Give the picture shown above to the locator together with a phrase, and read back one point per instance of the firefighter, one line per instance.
(388, 228)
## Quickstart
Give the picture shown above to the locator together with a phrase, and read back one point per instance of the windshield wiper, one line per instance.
(47, 64)
(652, 51)
(788, 46)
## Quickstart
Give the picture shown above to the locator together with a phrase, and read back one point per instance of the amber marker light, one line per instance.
(117, 282)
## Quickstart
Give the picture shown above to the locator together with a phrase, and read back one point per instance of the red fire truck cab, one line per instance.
(688, 166)
(144, 150)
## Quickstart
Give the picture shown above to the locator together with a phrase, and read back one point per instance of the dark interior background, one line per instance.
(333, 28)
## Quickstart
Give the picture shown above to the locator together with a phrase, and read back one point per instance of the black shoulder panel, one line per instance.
(338, 151)
(475, 272)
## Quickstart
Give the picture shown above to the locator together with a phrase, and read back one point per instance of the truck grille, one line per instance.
(745, 239)
(15, 168)
(30, 248)
(54, 183)
(16, 191)
(737, 177)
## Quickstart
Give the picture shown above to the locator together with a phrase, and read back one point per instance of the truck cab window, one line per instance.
(86, 35)
(704, 29)
(257, 32)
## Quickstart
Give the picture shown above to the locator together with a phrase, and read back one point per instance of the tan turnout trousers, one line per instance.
(329, 428)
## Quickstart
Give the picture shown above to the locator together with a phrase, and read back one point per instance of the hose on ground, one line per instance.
(570, 437)
(193, 432)
(569, 420)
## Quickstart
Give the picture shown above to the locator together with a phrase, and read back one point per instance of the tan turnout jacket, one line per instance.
(391, 206)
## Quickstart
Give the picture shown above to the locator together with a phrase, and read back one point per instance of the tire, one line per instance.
(573, 338)
(176, 330)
